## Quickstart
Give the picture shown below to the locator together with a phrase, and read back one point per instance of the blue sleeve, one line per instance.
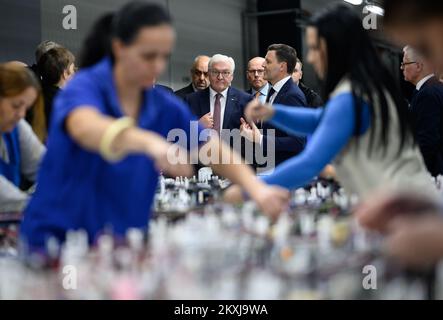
(296, 121)
(336, 128)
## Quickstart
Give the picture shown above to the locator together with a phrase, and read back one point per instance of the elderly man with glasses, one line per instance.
(220, 107)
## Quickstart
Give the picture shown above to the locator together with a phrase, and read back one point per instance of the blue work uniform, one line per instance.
(11, 170)
(78, 189)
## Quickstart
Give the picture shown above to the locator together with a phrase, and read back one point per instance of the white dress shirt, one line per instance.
(212, 94)
(423, 81)
(277, 87)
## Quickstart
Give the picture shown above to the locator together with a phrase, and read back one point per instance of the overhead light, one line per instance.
(354, 2)
(375, 9)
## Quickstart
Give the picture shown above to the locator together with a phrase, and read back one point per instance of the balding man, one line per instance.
(426, 108)
(255, 75)
(199, 76)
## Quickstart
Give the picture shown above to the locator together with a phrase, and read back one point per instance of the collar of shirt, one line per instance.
(279, 84)
(423, 81)
(263, 91)
(212, 93)
(194, 88)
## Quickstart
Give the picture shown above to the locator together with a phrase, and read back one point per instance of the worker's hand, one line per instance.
(415, 241)
(272, 200)
(256, 111)
(233, 194)
(207, 121)
(170, 158)
(378, 210)
(250, 131)
(328, 172)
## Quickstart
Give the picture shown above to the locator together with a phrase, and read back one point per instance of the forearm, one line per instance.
(87, 127)
(296, 172)
(12, 199)
(296, 120)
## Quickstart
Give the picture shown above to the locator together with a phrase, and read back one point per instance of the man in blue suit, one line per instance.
(279, 65)
(220, 106)
(426, 108)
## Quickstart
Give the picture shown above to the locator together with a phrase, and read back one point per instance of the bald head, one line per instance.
(199, 72)
(255, 73)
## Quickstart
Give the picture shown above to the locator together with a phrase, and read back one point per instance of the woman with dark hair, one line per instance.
(20, 149)
(56, 67)
(363, 128)
(107, 139)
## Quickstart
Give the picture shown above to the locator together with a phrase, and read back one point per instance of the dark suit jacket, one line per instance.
(165, 87)
(183, 92)
(286, 146)
(427, 122)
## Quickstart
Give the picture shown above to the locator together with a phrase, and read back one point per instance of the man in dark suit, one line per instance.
(279, 64)
(426, 108)
(255, 75)
(199, 76)
(220, 106)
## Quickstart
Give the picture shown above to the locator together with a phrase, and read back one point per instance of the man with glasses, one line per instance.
(426, 108)
(199, 76)
(255, 75)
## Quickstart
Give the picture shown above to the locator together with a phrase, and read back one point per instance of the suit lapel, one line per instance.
(205, 102)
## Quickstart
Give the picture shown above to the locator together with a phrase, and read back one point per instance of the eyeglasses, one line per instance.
(259, 72)
(216, 73)
(199, 73)
(403, 64)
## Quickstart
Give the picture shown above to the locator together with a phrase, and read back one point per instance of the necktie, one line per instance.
(257, 95)
(270, 93)
(217, 113)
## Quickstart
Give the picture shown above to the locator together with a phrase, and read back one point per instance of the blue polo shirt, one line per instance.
(78, 189)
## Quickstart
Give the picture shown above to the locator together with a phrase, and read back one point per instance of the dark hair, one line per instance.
(16, 79)
(53, 64)
(124, 25)
(44, 47)
(410, 12)
(285, 53)
(355, 57)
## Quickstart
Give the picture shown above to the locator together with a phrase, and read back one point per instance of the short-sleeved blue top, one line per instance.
(78, 189)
